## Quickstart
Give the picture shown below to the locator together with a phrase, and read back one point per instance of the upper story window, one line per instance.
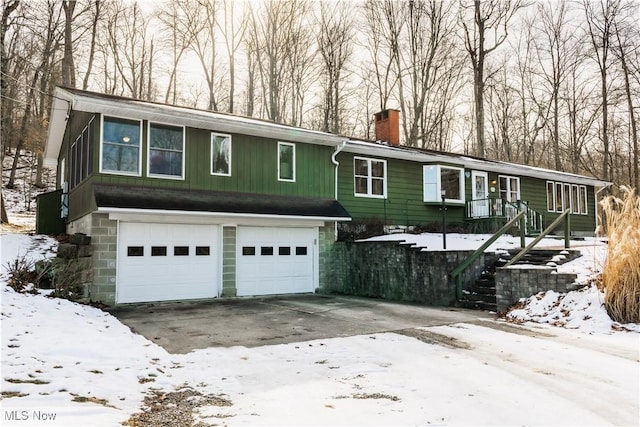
(220, 154)
(286, 161)
(120, 147)
(166, 151)
(439, 180)
(370, 177)
(81, 156)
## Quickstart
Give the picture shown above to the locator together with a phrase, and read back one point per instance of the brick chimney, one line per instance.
(388, 126)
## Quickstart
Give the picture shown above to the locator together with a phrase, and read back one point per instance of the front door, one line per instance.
(480, 199)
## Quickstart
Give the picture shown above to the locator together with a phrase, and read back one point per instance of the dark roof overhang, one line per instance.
(137, 198)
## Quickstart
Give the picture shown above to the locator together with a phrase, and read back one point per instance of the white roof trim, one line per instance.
(120, 213)
(384, 151)
(170, 114)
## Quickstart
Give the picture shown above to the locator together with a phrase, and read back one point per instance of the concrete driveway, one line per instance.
(180, 327)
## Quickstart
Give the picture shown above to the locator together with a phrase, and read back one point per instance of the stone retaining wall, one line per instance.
(397, 271)
(513, 283)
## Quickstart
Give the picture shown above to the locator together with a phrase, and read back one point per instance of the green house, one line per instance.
(188, 204)
(182, 203)
(402, 186)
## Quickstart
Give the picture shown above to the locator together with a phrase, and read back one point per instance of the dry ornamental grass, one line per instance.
(621, 274)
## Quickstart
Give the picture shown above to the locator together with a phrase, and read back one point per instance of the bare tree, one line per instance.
(600, 18)
(485, 27)
(581, 103)
(8, 8)
(335, 43)
(68, 67)
(48, 45)
(382, 44)
(554, 50)
(174, 18)
(128, 51)
(280, 51)
(624, 43)
(92, 46)
(233, 33)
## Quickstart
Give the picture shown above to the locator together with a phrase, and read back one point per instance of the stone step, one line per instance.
(475, 297)
(478, 305)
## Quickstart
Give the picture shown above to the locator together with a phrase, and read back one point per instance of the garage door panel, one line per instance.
(274, 260)
(159, 274)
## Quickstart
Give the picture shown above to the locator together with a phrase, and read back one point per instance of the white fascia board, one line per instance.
(377, 150)
(202, 120)
(130, 214)
(57, 124)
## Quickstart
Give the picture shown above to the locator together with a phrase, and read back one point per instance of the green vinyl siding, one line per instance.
(534, 191)
(404, 203)
(254, 169)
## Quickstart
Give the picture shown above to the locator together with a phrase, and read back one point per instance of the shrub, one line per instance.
(621, 273)
(67, 280)
(21, 273)
(356, 230)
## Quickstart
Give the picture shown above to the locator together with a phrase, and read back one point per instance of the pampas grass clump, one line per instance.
(621, 273)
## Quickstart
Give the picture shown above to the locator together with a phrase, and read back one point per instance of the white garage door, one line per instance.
(274, 260)
(162, 262)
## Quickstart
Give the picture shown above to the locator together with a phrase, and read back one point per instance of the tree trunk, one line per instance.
(92, 50)
(68, 67)
(635, 179)
(4, 219)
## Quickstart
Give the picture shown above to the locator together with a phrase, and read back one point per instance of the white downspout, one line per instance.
(596, 204)
(335, 162)
(338, 149)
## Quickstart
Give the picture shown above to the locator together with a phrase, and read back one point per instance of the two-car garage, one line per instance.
(170, 261)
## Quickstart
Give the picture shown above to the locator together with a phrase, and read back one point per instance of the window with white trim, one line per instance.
(370, 177)
(439, 178)
(220, 154)
(286, 161)
(165, 151)
(120, 146)
(509, 187)
(562, 196)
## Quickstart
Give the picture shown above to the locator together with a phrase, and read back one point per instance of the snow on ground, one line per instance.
(82, 366)
(471, 242)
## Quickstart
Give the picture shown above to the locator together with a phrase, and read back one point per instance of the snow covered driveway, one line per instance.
(82, 365)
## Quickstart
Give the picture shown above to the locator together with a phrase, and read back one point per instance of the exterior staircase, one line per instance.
(482, 293)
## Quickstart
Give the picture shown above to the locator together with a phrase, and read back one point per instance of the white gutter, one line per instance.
(373, 149)
(217, 214)
(336, 163)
